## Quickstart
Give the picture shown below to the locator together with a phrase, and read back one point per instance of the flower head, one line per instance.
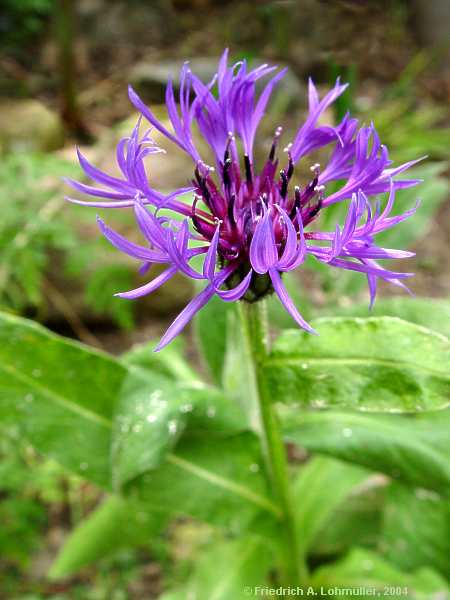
(249, 225)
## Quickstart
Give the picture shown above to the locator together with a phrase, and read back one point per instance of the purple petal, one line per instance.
(93, 191)
(313, 96)
(367, 268)
(149, 287)
(119, 204)
(209, 266)
(237, 292)
(146, 112)
(128, 247)
(103, 178)
(301, 250)
(260, 107)
(263, 250)
(185, 316)
(287, 302)
(149, 225)
(372, 281)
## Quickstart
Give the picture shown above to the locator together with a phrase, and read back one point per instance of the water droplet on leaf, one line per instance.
(172, 427)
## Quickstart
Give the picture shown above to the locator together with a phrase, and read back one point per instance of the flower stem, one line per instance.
(255, 333)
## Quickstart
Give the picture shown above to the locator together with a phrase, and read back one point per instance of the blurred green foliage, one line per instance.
(31, 225)
(21, 20)
(39, 243)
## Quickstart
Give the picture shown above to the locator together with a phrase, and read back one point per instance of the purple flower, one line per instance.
(250, 225)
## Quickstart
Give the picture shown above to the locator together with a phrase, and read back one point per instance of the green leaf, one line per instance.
(356, 521)
(416, 529)
(218, 480)
(311, 493)
(169, 362)
(376, 364)
(210, 327)
(428, 312)
(364, 569)
(63, 397)
(238, 373)
(153, 412)
(228, 570)
(60, 394)
(412, 449)
(117, 523)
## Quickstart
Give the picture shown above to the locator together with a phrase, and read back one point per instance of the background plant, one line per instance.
(40, 248)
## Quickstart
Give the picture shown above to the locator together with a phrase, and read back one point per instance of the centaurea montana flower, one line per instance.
(247, 226)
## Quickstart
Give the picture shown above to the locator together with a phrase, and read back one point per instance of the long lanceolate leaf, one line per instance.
(117, 523)
(363, 570)
(415, 450)
(431, 313)
(74, 403)
(313, 502)
(378, 364)
(60, 395)
(415, 529)
(247, 562)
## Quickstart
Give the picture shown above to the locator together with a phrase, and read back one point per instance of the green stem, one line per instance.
(255, 332)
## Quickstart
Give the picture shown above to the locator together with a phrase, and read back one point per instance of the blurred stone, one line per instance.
(150, 79)
(432, 20)
(124, 24)
(28, 125)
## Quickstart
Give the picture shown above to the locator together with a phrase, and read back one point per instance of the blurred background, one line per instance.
(64, 70)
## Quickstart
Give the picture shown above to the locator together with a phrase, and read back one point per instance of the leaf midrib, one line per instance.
(211, 477)
(54, 396)
(413, 443)
(224, 483)
(362, 360)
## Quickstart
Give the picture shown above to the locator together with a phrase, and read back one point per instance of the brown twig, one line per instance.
(71, 316)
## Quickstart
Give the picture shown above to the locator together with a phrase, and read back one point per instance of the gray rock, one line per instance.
(432, 20)
(28, 125)
(150, 79)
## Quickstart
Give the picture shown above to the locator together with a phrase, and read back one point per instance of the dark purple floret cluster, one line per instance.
(250, 225)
